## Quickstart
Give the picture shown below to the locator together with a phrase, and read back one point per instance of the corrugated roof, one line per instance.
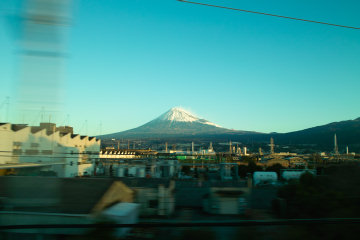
(17, 127)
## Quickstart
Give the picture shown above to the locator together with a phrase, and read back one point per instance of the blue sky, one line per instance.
(131, 60)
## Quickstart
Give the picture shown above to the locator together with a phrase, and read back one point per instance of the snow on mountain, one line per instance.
(179, 114)
(176, 122)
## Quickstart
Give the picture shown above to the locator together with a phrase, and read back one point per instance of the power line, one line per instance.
(269, 14)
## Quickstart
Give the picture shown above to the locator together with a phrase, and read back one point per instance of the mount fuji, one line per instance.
(176, 122)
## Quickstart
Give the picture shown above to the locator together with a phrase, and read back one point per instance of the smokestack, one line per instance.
(272, 146)
(336, 149)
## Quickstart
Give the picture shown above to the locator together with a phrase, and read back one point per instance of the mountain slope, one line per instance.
(176, 122)
(348, 132)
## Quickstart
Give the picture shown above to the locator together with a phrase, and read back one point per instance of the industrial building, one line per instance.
(46, 150)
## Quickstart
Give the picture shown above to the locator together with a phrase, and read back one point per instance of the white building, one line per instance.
(264, 178)
(48, 148)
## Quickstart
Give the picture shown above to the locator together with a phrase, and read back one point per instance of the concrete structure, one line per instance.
(155, 196)
(47, 148)
(141, 168)
(229, 200)
(228, 171)
(209, 151)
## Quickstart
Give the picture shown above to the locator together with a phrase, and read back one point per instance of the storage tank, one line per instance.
(264, 178)
(294, 174)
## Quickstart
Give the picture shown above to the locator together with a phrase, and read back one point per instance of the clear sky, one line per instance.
(131, 60)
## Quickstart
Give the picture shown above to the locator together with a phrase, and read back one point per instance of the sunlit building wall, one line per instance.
(68, 154)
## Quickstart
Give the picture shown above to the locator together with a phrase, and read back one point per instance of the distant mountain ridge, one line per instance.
(348, 132)
(181, 124)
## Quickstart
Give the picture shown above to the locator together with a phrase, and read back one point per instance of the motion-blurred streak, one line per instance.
(42, 39)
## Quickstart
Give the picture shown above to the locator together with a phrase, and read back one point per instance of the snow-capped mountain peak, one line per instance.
(178, 114)
(174, 123)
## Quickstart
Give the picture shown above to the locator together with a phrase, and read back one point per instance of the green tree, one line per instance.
(253, 167)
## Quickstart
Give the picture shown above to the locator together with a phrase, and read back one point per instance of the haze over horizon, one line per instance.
(131, 61)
